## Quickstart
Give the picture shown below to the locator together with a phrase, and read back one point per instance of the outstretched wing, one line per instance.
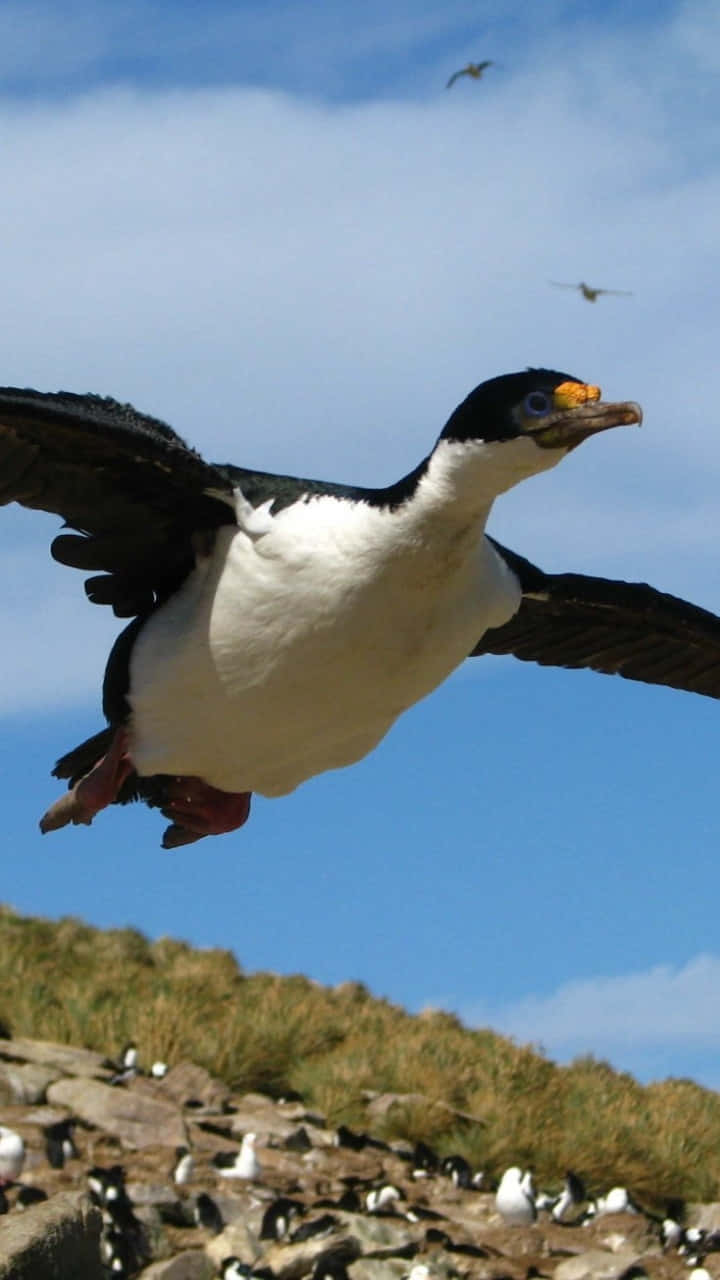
(127, 483)
(619, 628)
(456, 76)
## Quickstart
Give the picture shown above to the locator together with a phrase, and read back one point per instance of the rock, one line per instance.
(26, 1081)
(44, 1115)
(378, 1105)
(53, 1241)
(237, 1240)
(255, 1113)
(159, 1196)
(293, 1261)
(298, 1112)
(596, 1264)
(383, 1237)
(188, 1085)
(137, 1120)
(241, 1210)
(706, 1216)
(378, 1269)
(192, 1264)
(62, 1057)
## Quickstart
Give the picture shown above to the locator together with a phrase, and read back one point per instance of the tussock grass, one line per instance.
(96, 988)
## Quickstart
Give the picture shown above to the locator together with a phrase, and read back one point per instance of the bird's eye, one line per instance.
(536, 403)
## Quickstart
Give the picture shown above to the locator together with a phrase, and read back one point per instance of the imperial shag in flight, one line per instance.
(280, 625)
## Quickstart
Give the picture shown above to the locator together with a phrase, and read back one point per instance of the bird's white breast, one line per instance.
(294, 646)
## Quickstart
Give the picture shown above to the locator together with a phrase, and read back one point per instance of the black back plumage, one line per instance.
(207, 1214)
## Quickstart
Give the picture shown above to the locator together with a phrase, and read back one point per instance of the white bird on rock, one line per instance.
(514, 1199)
(12, 1155)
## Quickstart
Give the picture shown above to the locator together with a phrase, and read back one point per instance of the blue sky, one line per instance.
(271, 226)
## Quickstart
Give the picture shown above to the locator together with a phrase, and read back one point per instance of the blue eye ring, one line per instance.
(537, 403)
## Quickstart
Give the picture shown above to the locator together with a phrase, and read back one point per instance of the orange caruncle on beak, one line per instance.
(571, 394)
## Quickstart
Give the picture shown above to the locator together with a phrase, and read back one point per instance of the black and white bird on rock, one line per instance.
(281, 625)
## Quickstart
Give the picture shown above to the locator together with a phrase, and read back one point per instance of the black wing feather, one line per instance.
(129, 485)
(618, 628)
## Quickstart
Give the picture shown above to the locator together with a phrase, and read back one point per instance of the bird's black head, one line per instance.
(555, 410)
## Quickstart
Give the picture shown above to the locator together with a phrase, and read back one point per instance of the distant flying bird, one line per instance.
(473, 69)
(587, 291)
(281, 625)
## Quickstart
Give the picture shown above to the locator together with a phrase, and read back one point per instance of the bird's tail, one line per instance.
(76, 763)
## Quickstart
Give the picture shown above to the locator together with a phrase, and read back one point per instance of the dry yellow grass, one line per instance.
(66, 981)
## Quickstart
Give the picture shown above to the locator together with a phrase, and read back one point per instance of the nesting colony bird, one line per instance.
(588, 292)
(281, 625)
(458, 1170)
(571, 1197)
(278, 1218)
(184, 1166)
(514, 1199)
(617, 1200)
(239, 1164)
(207, 1214)
(473, 69)
(59, 1143)
(28, 1196)
(12, 1155)
(381, 1199)
(127, 1066)
(232, 1268)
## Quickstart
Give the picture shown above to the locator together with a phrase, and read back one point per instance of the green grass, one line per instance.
(68, 982)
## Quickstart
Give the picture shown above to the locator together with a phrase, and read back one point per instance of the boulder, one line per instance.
(234, 1240)
(53, 1241)
(25, 1081)
(62, 1057)
(293, 1261)
(191, 1264)
(596, 1264)
(190, 1085)
(706, 1216)
(379, 1105)
(256, 1113)
(380, 1269)
(137, 1120)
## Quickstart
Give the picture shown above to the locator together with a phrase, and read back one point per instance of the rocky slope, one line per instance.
(151, 1226)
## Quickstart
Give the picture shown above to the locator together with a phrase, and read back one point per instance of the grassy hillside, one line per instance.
(66, 981)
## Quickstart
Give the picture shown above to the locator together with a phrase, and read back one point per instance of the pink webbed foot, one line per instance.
(196, 809)
(94, 791)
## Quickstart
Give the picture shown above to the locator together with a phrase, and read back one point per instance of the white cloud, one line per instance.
(662, 1006)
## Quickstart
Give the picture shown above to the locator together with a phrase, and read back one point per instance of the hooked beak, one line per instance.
(579, 412)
